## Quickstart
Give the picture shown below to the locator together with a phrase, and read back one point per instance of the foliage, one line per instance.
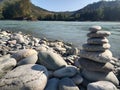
(18, 10)
(24, 9)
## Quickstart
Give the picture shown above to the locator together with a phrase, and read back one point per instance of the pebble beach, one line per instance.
(30, 63)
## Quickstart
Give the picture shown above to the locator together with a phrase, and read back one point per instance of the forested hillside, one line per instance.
(24, 9)
(100, 11)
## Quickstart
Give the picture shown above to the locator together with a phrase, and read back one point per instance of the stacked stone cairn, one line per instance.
(95, 61)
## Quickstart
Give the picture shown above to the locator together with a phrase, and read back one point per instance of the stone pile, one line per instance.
(29, 63)
(95, 59)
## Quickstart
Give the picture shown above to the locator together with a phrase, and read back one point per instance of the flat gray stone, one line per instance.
(97, 40)
(95, 48)
(100, 76)
(21, 54)
(25, 77)
(102, 57)
(67, 71)
(51, 60)
(101, 85)
(95, 66)
(77, 79)
(6, 64)
(28, 60)
(98, 34)
(52, 84)
(95, 28)
(67, 84)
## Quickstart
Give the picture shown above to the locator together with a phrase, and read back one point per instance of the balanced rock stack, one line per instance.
(95, 61)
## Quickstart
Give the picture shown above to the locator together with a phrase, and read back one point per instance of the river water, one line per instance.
(72, 32)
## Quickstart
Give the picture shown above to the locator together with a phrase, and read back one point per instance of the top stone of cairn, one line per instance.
(95, 28)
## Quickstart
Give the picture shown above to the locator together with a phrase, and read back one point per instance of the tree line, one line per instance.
(100, 11)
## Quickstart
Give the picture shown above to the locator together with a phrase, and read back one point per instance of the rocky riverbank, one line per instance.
(30, 63)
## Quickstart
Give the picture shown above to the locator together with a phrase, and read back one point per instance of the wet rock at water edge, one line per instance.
(25, 77)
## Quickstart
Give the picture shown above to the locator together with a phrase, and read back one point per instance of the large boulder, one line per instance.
(6, 64)
(95, 66)
(25, 77)
(101, 85)
(67, 84)
(68, 71)
(51, 60)
(96, 76)
(102, 57)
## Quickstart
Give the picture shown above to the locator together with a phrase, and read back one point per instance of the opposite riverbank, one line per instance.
(32, 63)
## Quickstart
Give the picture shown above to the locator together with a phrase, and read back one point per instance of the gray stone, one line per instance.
(25, 77)
(28, 60)
(51, 60)
(95, 48)
(95, 28)
(21, 54)
(67, 71)
(96, 76)
(5, 57)
(77, 79)
(19, 38)
(6, 64)
(101, 85)
(67, 84)
(52, 84)
(98, 34)
(102, 57)
(97, 40)
(95, 66)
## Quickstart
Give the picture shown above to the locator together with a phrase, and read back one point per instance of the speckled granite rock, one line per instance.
(25, 77)
(6, 64)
